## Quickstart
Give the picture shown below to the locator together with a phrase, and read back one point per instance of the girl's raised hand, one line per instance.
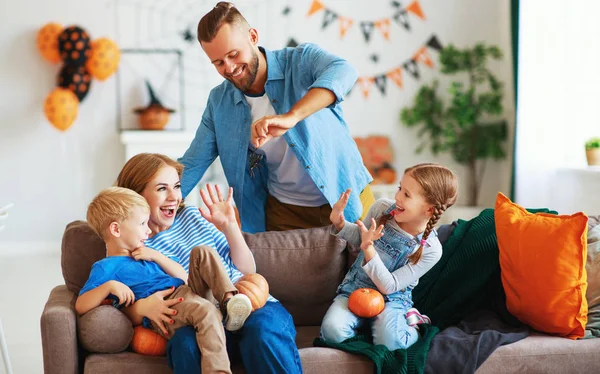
(337, 211)
(368, 236)
(220, 211)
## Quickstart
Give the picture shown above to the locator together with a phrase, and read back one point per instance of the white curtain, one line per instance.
(559, 95)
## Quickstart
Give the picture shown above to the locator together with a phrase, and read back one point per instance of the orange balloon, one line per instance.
(47, 42)
(104, 59)
(61, 108)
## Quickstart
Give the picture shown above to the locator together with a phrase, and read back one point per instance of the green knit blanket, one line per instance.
(467, 277)
(400, 361)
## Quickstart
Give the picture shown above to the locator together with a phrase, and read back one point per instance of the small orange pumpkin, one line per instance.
(148, 342)
(256, 287)
(366, 302)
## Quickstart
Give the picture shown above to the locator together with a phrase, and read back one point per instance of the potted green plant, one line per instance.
(466, 127)
(592, 151)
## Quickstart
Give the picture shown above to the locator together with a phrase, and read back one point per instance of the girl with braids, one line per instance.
(400, 246)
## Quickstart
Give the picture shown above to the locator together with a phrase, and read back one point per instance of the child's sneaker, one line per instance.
(414, 318)
(238, 309)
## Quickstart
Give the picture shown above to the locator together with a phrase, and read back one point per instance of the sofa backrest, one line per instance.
(81, 247)
(303, 267)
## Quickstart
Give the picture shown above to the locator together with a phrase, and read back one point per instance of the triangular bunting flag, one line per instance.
(384, 26)
(422, 55)
(367, 29)
(365, 85)
(434, 43)
(381, 82)
(402, 18)
(415, 9)
(412, 67)
(396, 76)
(292, 43)
(315, 7)
(345, 24)
(328, 17)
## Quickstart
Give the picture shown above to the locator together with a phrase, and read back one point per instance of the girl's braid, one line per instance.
(438, 210)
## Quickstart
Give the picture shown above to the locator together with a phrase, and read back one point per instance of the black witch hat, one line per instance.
(154, 102)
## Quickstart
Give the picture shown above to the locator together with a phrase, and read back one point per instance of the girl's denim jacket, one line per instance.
(393, 250)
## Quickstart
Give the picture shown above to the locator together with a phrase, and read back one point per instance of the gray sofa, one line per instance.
(303, 268)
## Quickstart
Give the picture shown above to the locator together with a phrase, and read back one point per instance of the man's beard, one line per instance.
(249, 80)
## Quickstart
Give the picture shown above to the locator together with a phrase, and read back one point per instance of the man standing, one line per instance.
(278, 128)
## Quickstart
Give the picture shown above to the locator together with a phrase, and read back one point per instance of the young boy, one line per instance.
(131, 272)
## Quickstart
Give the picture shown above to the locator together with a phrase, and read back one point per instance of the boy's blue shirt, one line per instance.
(143, 277)
(321, 142)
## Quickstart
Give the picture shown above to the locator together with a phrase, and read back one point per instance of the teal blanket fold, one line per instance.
(400, 361)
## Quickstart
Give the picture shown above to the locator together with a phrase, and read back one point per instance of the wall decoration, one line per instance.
(396, 74)
(104, 58)
(83, 59)
(61, 108)
(153, 25)
(153, 73)
(378, 156)
(47, 42)
(383, 25)
(154, 116)
(75, 78)
(74, 45)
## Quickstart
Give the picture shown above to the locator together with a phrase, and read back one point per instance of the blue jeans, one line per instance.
(266, 344)
(388, 328)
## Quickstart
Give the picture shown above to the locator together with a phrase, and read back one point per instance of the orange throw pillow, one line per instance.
(542, 260)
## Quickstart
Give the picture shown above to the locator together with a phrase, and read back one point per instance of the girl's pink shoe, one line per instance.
(413, 317)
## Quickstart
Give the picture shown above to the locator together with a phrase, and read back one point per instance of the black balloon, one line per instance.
(75, 78)
(74, 45)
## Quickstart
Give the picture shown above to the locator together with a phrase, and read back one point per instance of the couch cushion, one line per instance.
(303, 268)
(104, 330)
(81, 247)
(539, 353)
(542, 261)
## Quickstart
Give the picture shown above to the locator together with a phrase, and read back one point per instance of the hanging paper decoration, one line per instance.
(292, 43)
(76, 79)
(383, 25)
(47, 42)
(104, 59)
(74, 45)
(395, 75)
(61, 108)
(83, 59)
(345, 24)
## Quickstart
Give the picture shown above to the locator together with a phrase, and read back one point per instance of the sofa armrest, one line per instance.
(59, 332)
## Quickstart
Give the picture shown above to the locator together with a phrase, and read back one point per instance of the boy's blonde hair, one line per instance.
(113, 204)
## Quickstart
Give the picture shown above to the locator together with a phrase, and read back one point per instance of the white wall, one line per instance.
(51, 176)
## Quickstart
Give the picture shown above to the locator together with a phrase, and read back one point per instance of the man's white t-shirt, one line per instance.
(288, 180)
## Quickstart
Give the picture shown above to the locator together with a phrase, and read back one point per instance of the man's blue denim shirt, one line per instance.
(321, 141)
